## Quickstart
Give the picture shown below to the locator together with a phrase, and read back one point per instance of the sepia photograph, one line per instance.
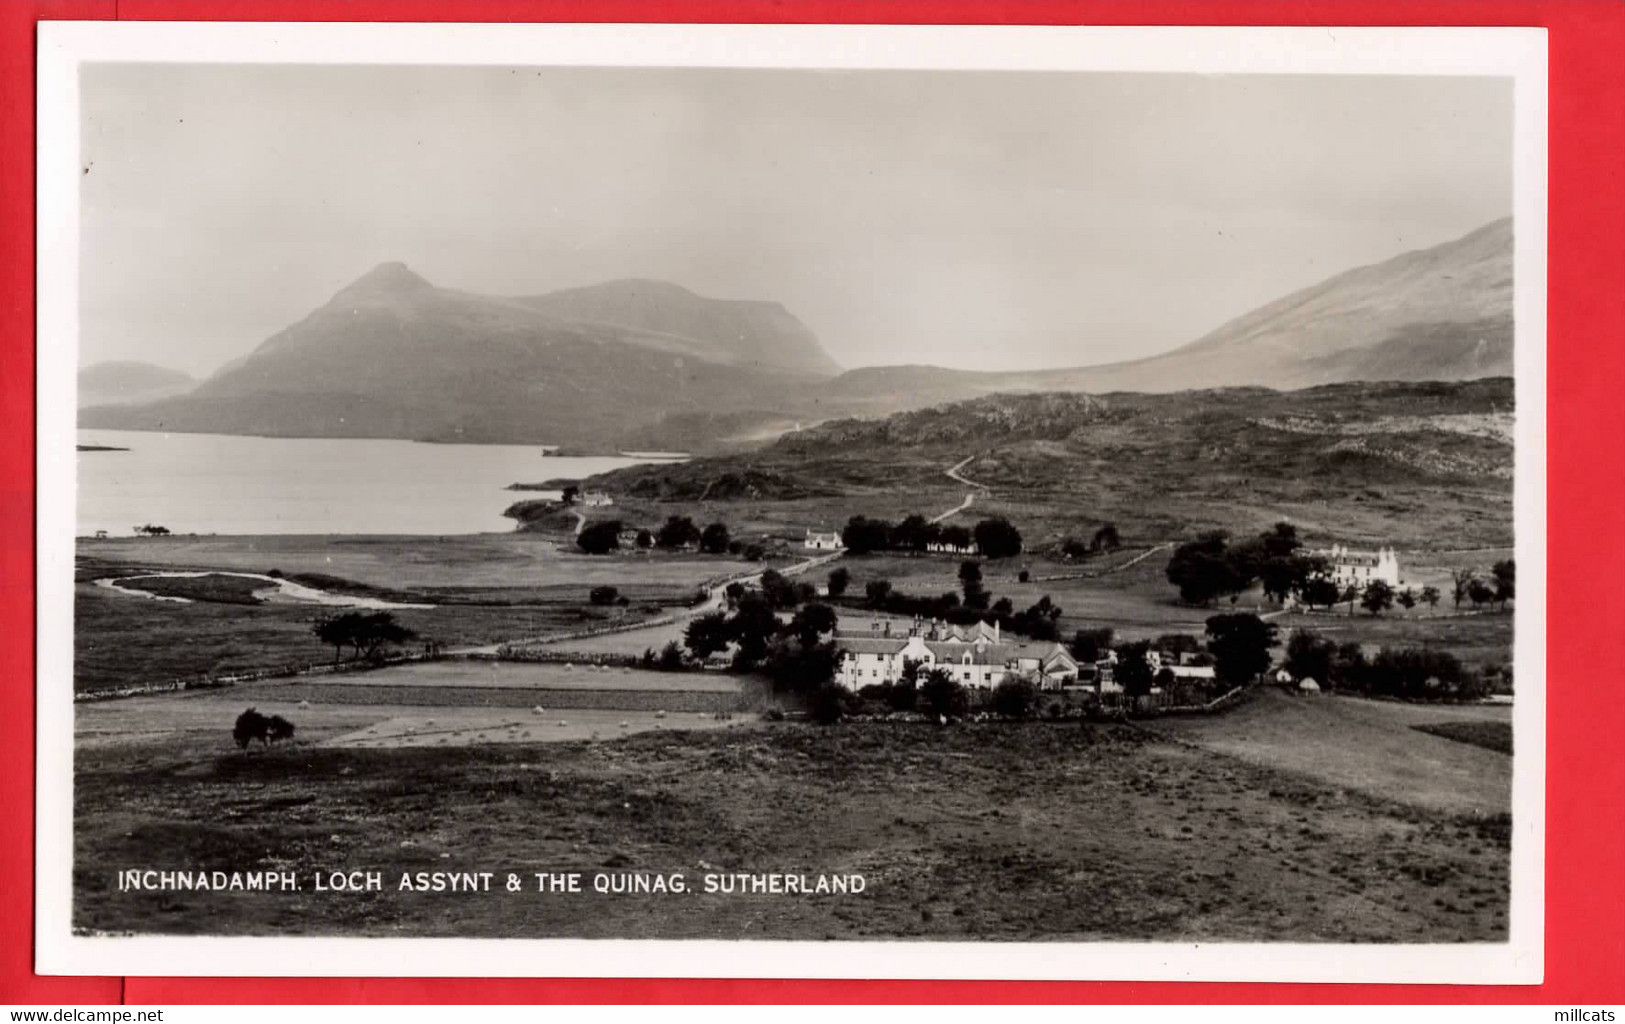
(1047, 506)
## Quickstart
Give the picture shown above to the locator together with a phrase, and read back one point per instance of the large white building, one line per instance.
(1348, 567)
(822, 541)
(977, 656)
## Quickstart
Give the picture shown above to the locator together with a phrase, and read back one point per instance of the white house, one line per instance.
(1348, 567)
(822, 541)
(976, 656)
(938, 547)
(595, 499)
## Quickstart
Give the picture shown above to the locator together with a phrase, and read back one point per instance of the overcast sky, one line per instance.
(979, 220)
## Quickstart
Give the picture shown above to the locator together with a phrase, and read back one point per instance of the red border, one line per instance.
(1585, 884)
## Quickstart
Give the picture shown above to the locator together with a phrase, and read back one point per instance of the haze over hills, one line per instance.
(391, 355)
(631, 362)
(130, 381)
(1443, 313)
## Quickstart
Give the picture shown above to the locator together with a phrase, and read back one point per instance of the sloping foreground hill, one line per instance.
(393, 356)
(1387, 449)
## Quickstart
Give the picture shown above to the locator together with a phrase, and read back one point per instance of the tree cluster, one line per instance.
(1410, 673)
(365, 633)
(994, 537)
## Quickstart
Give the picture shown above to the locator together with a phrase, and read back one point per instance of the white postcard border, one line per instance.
(1515, 53)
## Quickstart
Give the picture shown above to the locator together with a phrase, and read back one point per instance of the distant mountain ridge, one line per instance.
(627, 362)
(392, 355)
(119, 381)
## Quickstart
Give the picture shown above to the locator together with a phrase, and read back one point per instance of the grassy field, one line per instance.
(1483, 639)
(1000, 832)
(1364, 745)
(1496, 736)
(121, 640)
(214, 587)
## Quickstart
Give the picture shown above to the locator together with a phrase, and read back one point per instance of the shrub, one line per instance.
(1014, 698)
(603, 595)
(826, 705)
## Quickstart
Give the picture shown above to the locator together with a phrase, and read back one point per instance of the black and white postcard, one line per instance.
(798, 501)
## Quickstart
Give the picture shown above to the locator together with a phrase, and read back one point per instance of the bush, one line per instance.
(826, 705)
(1014, 698)
(603, 595)
(600, 538)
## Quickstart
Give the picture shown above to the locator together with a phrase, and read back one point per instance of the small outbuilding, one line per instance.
(1308, 685)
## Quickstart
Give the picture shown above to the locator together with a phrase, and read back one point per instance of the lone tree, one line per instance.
(1431, 596)
(1090, 645)
(570, 493)
(839, 579)
(1480, 592)
(1506, 581)
(1377, 598)
(600, 538)
(810, 622)
(1406, 598)
(1240, 643)
(714, 539)
(970, 582)
(996, 538)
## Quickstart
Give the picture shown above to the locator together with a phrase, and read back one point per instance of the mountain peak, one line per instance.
(386, 279)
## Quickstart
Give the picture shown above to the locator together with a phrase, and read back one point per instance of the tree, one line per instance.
(801, 668)
(1202, 569)
(602, 595)
(365, 633)
(956, 537)
(1002, 608)
(1309, 656)
(912, 534)
(646, 540)
(1090, 645)
(1430, 596)
(714, 539)
(1014, 697)
(570, 493)
(863, 535)
(753, 625)
(811, 622)
(1240, 643)
(1506, 581)
(707, 634)
(733, 592)
(970, 582)
(1377, 597)
(996, 538)
(671, 657)
(1106, 539)
(678, 532)
(599, 538)
(1133, 669)
(877, 591)
(1406, 599)
(338, 631)
(826, 704)
(1351, 594)
(1460, 581)
(779, 591)
(839, 579)
(1319, 591)
(942, 696)
(1480, 592)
